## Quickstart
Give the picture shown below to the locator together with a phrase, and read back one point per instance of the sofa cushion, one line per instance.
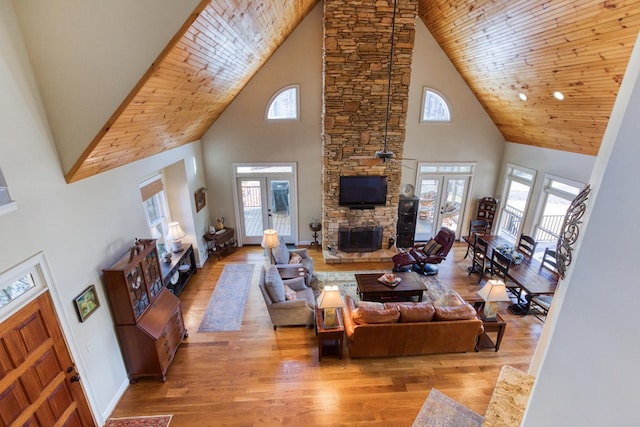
(460, 312)
(415, 312)
(274, 284)
(368, 315)
(281, 253)
(290, 294)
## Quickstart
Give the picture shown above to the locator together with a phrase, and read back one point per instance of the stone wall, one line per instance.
(357, 43)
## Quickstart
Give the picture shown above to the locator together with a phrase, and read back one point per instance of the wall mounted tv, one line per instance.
(363, 191)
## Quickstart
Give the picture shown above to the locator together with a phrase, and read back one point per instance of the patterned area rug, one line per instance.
(346, 281)
(439, 410)
(226, 306)
(152, 421)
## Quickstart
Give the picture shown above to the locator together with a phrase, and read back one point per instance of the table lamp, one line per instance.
(491, 293)
(270, 241)
(330, 300)
(174, 235)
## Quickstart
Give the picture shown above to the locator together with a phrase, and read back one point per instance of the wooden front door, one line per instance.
(39, 385)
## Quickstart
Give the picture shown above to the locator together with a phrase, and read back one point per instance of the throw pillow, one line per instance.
(281, 253)
(417, 312)
(367, 315)
(295, 259)
(371, 304)
(290, 294)
(428, 247)
(461, 312)
(450, 299)
(274, 284)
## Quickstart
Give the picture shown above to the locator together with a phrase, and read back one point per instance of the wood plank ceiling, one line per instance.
(500, 47)
(506, 47)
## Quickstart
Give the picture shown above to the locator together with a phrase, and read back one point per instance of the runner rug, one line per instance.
(151, 421)
(226, 306)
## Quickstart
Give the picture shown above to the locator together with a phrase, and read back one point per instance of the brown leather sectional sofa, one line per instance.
(410, 338)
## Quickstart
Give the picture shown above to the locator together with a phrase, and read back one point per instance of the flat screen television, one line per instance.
(363, 191)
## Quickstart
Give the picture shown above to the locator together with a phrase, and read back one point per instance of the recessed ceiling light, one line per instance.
(522, 96)
(558, 95)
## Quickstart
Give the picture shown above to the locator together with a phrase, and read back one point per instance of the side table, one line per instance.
(498, 326)
(315, 235)
(220, 242)
(330, 341)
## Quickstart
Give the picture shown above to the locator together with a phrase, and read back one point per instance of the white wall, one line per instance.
(471, 136)
(88, 55)
(589, 373)
(81, 227)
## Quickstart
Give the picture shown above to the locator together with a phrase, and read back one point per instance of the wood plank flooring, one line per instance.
(259, 376)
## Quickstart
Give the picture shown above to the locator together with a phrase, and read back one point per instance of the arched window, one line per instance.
(284, 105)
(434, 107)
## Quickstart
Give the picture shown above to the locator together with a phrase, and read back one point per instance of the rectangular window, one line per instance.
(6, 203)
(515, 196)
(155, 209)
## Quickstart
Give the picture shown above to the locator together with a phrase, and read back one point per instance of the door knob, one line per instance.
(75, 379)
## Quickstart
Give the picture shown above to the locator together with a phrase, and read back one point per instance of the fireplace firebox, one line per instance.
(360, 239)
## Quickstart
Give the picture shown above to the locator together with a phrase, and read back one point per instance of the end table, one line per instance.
(498, 326)
(330, 341)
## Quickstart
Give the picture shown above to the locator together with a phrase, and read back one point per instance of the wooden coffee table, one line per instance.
(370, 289)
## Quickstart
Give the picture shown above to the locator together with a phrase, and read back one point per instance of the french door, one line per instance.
(266, 199)
(443, 191)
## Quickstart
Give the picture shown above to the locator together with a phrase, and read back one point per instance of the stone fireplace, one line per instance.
(357, 44)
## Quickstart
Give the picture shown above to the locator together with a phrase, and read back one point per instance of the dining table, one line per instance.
(528, 275)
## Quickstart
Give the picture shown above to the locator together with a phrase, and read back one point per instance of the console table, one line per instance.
(220, 243)
(177, 272)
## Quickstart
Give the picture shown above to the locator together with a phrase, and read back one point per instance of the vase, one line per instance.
(220, 223)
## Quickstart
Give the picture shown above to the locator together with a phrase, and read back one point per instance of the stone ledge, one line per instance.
(382, 255)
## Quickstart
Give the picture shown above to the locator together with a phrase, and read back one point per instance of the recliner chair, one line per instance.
(423, 257)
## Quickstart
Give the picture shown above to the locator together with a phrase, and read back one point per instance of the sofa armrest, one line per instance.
(297, 283)
(289, 305)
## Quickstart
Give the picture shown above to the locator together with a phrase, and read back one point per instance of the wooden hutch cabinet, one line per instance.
(147, 315)
(487, 210)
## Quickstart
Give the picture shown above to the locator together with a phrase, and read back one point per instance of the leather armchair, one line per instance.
(423, 257)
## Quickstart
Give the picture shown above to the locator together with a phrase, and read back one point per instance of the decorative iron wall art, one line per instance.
(570, 230)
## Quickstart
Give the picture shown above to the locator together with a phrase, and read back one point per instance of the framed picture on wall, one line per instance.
(87, 303)
(201, 199)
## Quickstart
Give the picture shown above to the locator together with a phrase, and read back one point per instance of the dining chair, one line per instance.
(479, 257)
(527, 245)
(549, 260)
(477, 227)
(500, 265)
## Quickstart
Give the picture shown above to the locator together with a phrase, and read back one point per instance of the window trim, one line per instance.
(444, 99)
(275, 96)
(10, 205)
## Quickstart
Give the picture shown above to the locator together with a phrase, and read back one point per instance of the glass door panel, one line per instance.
(454, 199)
(265, 203)
(428, 191)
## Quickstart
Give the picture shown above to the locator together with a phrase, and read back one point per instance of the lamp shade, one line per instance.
(269, 239)
(175, 231)
(494, 290)
(330, 298)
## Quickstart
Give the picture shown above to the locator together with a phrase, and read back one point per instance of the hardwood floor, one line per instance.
(259, 376)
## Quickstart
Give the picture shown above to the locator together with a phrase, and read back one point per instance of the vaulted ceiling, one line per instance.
(502, 48)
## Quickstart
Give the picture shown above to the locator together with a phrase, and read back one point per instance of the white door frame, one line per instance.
(270, 171)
